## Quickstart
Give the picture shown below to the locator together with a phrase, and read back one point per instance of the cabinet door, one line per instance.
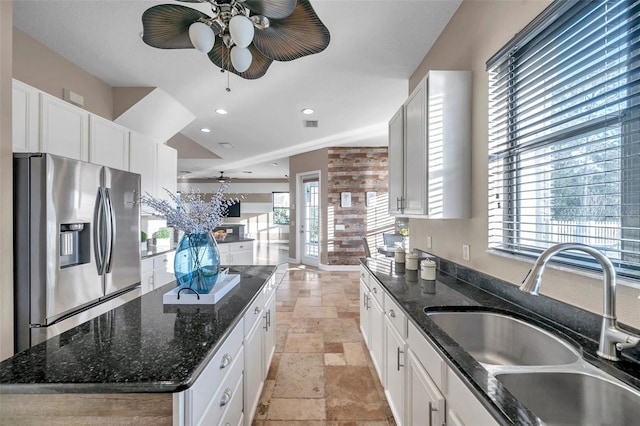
(269, 334)
(395, 368)
(64, 128)
(424, 399)
(142, 160)
(25, 118)
(163, 269)
(415, 155)
(253, 356)
(365, 314)
(463, 406)
(108, 143)
(396, 162)
(167, 168)
(376, 339)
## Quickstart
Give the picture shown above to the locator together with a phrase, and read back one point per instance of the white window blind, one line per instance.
(564, 134)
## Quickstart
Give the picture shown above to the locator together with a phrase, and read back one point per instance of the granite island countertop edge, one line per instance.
(120, 385)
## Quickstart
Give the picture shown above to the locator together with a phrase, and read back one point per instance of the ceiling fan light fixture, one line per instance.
(241, 58)
(241, 30)
(202, 37)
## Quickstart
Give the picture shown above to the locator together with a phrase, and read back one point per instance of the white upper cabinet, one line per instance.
(396, 162)
(108, 143)
(142, 160)
(26, 118)
(167, 168)
(64, 128)
(430, 154)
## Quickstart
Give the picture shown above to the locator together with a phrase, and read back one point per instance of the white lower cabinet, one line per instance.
(424, 399)
(260, 345)
(156, 271)
(228, 390)
(395, 368)
(376, 340)
(236, 253)
(419, 385)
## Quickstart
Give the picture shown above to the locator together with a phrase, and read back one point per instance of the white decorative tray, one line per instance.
(224, 284)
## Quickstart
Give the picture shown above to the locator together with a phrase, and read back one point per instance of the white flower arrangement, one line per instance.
(190, 212)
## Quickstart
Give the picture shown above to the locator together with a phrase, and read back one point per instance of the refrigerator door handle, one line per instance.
(111, 230)
(98, 231)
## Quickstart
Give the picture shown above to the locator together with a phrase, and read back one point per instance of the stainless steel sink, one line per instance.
(497, 339)
(574, 398)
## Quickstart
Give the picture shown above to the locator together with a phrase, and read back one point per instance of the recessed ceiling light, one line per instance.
(221, 111)
(308, 111)
(226, 145)
(274, 164)
(247, 172)
(205, 130)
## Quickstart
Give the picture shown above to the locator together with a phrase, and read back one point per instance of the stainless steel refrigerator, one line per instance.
(76, 243)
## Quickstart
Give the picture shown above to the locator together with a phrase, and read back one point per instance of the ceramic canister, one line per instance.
(411, 262)
(399, 255)
(428, 270)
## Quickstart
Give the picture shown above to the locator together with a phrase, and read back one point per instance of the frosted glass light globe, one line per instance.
(241, 58)
(241, 30)
(202, 37)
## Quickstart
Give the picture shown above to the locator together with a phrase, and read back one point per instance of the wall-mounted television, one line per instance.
(234, 210)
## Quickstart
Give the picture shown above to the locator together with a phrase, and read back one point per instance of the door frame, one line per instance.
(300, 197)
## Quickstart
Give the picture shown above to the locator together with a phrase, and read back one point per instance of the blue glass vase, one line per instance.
(197, 262)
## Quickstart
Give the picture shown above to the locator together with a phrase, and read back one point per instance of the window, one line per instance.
(280, 208)
(564, 134)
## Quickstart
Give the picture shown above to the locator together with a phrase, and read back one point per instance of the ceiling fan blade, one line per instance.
(272, 9)
(219, 55)
(166, 26)
(300, 34)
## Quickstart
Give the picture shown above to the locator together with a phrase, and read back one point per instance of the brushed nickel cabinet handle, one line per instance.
(226, 397)
(226, 360)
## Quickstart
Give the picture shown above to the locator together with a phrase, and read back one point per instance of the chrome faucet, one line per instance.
(612, 338)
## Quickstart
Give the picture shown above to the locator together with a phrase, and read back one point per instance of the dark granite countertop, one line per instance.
(236, 240)
(141, 346)
(455, 294)
(156, 251)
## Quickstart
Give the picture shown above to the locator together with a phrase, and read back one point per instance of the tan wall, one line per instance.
(6, 185)
(41, 67)
(477, 31)
(310, 161)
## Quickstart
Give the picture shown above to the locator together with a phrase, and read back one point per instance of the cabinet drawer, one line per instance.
(234, 415)
(269, 288)
(427, 355)
(241, 246)
(225, 395)
(396, 316)
(227, 357)
(254, 313)
(364, 275)
(377, 291)
(163, 262)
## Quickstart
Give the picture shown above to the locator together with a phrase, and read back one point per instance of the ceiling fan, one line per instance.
(252, 33)
(223, 179)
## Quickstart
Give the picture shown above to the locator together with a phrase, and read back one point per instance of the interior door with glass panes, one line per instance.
(310, 221)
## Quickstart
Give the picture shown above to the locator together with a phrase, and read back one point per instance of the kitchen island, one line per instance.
(140, 360)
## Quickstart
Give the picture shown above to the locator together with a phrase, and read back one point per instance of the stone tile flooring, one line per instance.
(321, 373)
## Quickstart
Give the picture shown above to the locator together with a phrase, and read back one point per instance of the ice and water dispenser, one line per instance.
(74, 244)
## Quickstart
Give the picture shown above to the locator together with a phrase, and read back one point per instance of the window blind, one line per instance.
(564, 134)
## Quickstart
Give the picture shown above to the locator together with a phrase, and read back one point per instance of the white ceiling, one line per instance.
(355, 85)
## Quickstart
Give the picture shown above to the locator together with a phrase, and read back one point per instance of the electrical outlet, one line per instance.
(429, 241)
(465, 252)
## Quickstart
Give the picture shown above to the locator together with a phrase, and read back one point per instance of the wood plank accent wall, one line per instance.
(357, 170)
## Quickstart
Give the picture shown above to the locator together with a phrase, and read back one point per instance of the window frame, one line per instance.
(508, 212)
(279, 209)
